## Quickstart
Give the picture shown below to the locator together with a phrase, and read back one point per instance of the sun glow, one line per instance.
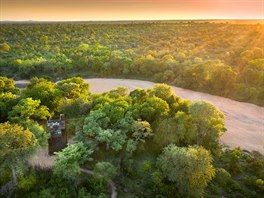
(79, 10)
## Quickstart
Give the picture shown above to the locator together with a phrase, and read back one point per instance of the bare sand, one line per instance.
(42, 159)
(244, 121)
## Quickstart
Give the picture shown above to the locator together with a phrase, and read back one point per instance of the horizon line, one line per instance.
(113, 20)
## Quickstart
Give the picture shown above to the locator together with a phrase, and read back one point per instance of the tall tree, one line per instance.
(45, 91)
(189, 169)
(177, 130)
(153, 108)
(104, 171)
(27, 109)
(16, 143)
(7, 85)
(7, 101)
(70, 159)
(209, 123)
(162, 91)
(74, 87)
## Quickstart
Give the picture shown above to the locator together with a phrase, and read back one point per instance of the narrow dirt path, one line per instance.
(111, 184)
(42, 159)
(244, 121)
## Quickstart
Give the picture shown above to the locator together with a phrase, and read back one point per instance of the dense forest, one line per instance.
(147, 143)
(219, 58)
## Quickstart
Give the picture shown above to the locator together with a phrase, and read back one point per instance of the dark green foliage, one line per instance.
(70, 159)
(139, 95)
(177, 130)
(75, 108)
(153, 108)
(125, 134)
(40, 133)
(209, 123)
(240, 174)
(42, 183)
(103, 171)
(190, 169)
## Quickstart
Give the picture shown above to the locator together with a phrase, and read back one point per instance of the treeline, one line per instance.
(151, 143)
(221, 59)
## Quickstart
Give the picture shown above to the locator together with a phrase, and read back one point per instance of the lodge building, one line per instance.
(58, 135)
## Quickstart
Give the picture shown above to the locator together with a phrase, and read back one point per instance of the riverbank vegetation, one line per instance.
(149, 142)
(218, 58)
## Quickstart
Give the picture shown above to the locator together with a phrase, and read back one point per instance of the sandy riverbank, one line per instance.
(244, 121)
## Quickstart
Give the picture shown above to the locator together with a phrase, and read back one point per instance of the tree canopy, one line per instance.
(148, 143)
(45, 91)
(26, 109)
(209, 123)
(15, 140)
(190, 169)
(199, 55)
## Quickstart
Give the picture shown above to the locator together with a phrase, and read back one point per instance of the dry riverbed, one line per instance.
(244, 121)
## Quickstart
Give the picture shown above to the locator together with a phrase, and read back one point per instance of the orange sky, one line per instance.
(86, 10)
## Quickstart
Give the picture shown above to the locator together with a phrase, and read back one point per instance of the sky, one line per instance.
(102, 10)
